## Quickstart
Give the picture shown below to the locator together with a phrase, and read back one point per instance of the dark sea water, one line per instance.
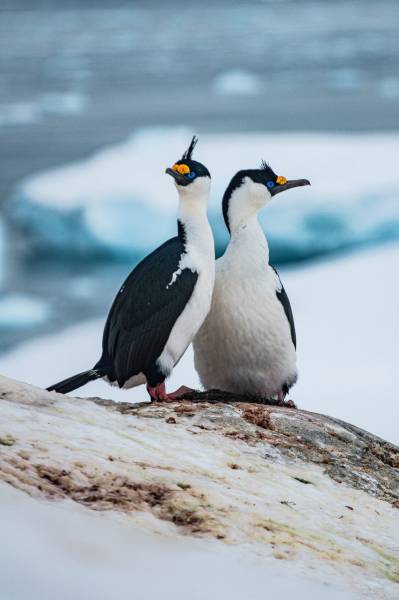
(76, 76)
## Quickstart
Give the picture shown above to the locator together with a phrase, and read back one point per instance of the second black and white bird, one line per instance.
(165, 299)
(247, 343)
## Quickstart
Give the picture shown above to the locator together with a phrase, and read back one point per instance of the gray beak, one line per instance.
(178, 177)
(287, 186)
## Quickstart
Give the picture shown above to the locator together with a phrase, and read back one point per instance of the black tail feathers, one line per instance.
(74, 382)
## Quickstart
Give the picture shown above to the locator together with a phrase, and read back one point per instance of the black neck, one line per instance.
(233, 185)
(181, 232)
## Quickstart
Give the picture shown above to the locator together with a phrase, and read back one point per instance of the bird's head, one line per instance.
(191, 176)
(251, 189)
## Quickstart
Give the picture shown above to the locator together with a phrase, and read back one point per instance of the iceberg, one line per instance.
(18, 311)
(118, 203)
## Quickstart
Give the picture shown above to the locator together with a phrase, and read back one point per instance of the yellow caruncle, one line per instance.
(183, 169)
(281, 180)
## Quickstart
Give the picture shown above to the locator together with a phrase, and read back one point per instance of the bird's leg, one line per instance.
(281, 396)
(283, 402)
(158, 393)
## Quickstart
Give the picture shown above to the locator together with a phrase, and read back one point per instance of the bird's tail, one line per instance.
(74, 382)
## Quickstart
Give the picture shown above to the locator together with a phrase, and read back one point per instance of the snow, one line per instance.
(347, 327)
(120, 202)
(21, 310)
(237, 82)
(65, 551)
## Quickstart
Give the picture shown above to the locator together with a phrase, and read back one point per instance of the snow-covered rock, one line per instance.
(304, 502)
(119, 202)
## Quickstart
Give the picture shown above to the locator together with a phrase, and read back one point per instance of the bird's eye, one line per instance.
(191, 175)
(270, 184)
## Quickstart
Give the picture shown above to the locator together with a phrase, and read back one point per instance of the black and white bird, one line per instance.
(165, 299)
(247, 343)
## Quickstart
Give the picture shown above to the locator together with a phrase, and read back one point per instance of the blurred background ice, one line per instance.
(97, 98)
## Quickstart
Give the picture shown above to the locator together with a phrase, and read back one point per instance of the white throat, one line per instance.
(192, 207)
(192, 214)
(248, 243)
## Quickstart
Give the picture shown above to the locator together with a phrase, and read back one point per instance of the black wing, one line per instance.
(282, 296)
(144, 312)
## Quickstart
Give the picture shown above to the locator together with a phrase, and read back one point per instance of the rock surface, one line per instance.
(283, 483)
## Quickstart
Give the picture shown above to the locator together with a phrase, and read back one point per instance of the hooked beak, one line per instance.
(287, 186)
(178, 177)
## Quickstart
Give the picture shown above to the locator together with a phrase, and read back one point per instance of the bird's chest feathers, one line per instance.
(245, 289)
(246, 261)
(247, 315)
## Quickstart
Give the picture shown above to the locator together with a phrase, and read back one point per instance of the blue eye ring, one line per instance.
(191, 175)
(270, 184)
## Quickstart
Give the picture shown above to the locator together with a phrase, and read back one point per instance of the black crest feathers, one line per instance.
(264, 165)
(190, 149)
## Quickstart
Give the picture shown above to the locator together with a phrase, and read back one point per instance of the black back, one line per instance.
(282, 296)
(144, 312)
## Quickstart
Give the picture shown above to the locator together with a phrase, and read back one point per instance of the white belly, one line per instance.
(245, 344)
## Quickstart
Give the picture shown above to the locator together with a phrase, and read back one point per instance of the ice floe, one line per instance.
(21, 310)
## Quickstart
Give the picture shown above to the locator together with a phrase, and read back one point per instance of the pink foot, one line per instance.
(158, 393)
(179, 393)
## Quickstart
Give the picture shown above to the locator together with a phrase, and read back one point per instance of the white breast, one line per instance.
(245, 345)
